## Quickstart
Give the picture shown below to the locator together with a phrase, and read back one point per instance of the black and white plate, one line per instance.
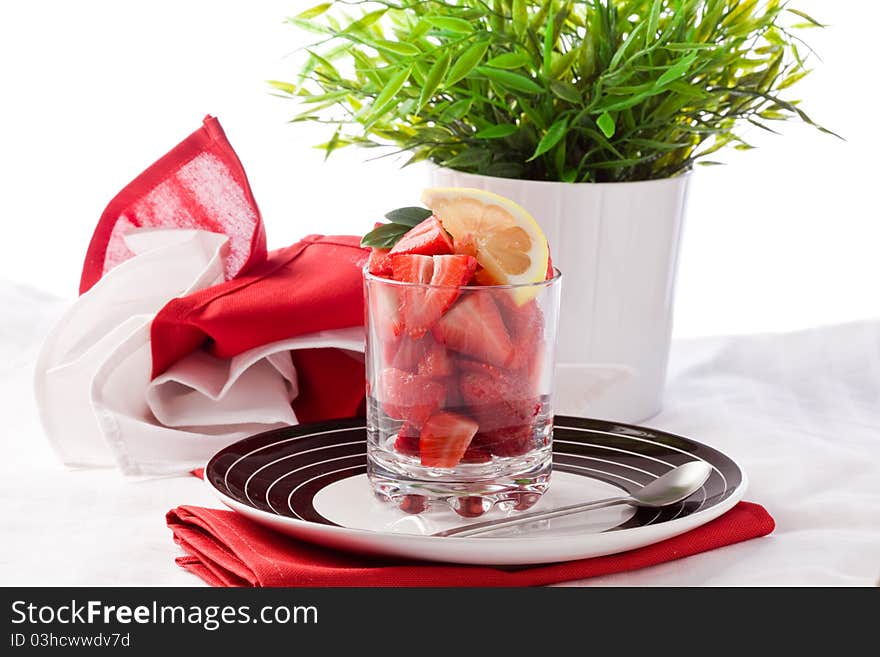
(309, 481)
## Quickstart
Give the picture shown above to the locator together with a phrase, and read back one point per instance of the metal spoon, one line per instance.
(672, 487)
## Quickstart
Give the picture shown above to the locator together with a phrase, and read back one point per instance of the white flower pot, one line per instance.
(617, 247)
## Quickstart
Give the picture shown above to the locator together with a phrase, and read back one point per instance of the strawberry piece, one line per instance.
(411, 268)
(497, 398)
(407, 441)
(436, 362)
(409, 355)
(474, 327)
(427, 238)
(422, 307)
(525, 324)
(476, 453)
(445, 438)
(379, 263)
(409, 397)
(507, 441)
(550, 272)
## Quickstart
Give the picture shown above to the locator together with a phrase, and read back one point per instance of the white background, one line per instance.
(93, 92)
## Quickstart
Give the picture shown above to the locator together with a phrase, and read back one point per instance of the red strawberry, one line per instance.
(427, 238)
(424, 306)
(525, 324)
(435, 361)
(379, 263)
(476, 453)
(445, 438)
(473, 327)
(508, 441)
(409, 397)
(409, 354)
(550, 272)
(497, 398)
(411, 268)
(407, 441)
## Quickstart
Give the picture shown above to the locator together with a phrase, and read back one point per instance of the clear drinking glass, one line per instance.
(460, 406)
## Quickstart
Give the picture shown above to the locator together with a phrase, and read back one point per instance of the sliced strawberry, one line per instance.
(476, 454)
(409, 397)
(473, 327)
(427, 238)
(507, 441)
(445, 438)
(435, 361)
(424, 306)
(525, 324)
(379, 263)
(411, 268)
(550, 271)
(407, 441)
(497, 398)
(409, 354)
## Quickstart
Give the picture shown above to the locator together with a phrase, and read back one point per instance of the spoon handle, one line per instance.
(520, 518)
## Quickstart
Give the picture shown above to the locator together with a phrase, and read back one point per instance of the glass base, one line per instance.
(469, 490)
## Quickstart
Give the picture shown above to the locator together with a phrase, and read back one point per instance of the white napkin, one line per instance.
(92, 381)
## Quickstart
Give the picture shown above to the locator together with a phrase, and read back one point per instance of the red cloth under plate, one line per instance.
(226, 549)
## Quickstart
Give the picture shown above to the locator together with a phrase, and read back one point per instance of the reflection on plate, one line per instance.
(309, 482)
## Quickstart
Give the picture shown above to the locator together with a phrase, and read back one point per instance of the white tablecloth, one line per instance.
(800, 412)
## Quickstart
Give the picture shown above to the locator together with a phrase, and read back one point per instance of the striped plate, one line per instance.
(309, 481)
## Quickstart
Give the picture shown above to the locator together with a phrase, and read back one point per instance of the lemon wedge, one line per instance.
(508, 242)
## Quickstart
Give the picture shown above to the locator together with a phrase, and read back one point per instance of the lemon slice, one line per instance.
(509, 244)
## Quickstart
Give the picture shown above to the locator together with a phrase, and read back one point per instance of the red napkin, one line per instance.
(226, 549)
(313, 285)
(200, 183)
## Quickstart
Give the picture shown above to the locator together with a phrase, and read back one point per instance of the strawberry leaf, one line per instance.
(411, 216)
(385, 236)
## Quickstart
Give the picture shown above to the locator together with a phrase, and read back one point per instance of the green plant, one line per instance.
(578, 91)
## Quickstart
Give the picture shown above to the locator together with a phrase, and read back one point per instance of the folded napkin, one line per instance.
(226, 549)
(187, 335)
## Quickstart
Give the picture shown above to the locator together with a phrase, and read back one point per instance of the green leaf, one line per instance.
(397, 47)
(450, 24)
(365, 21)
(549, 40)
(806, 17)
(286, 87)
(606, 124)
(554, 133)
(677, 70)
(435, 76)
(317, 10)
(511, 81)
(466, 63)
(509, 60)
(497, 131)
(566, 91)
(388, 95)
(385, 236)
(409, 216)
(653, 18)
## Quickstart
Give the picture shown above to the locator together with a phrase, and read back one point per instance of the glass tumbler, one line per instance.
(460, 393)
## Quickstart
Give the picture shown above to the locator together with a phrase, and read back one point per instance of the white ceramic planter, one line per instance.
(617, 247)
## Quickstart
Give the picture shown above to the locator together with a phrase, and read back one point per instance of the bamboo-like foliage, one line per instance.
(575, 91)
